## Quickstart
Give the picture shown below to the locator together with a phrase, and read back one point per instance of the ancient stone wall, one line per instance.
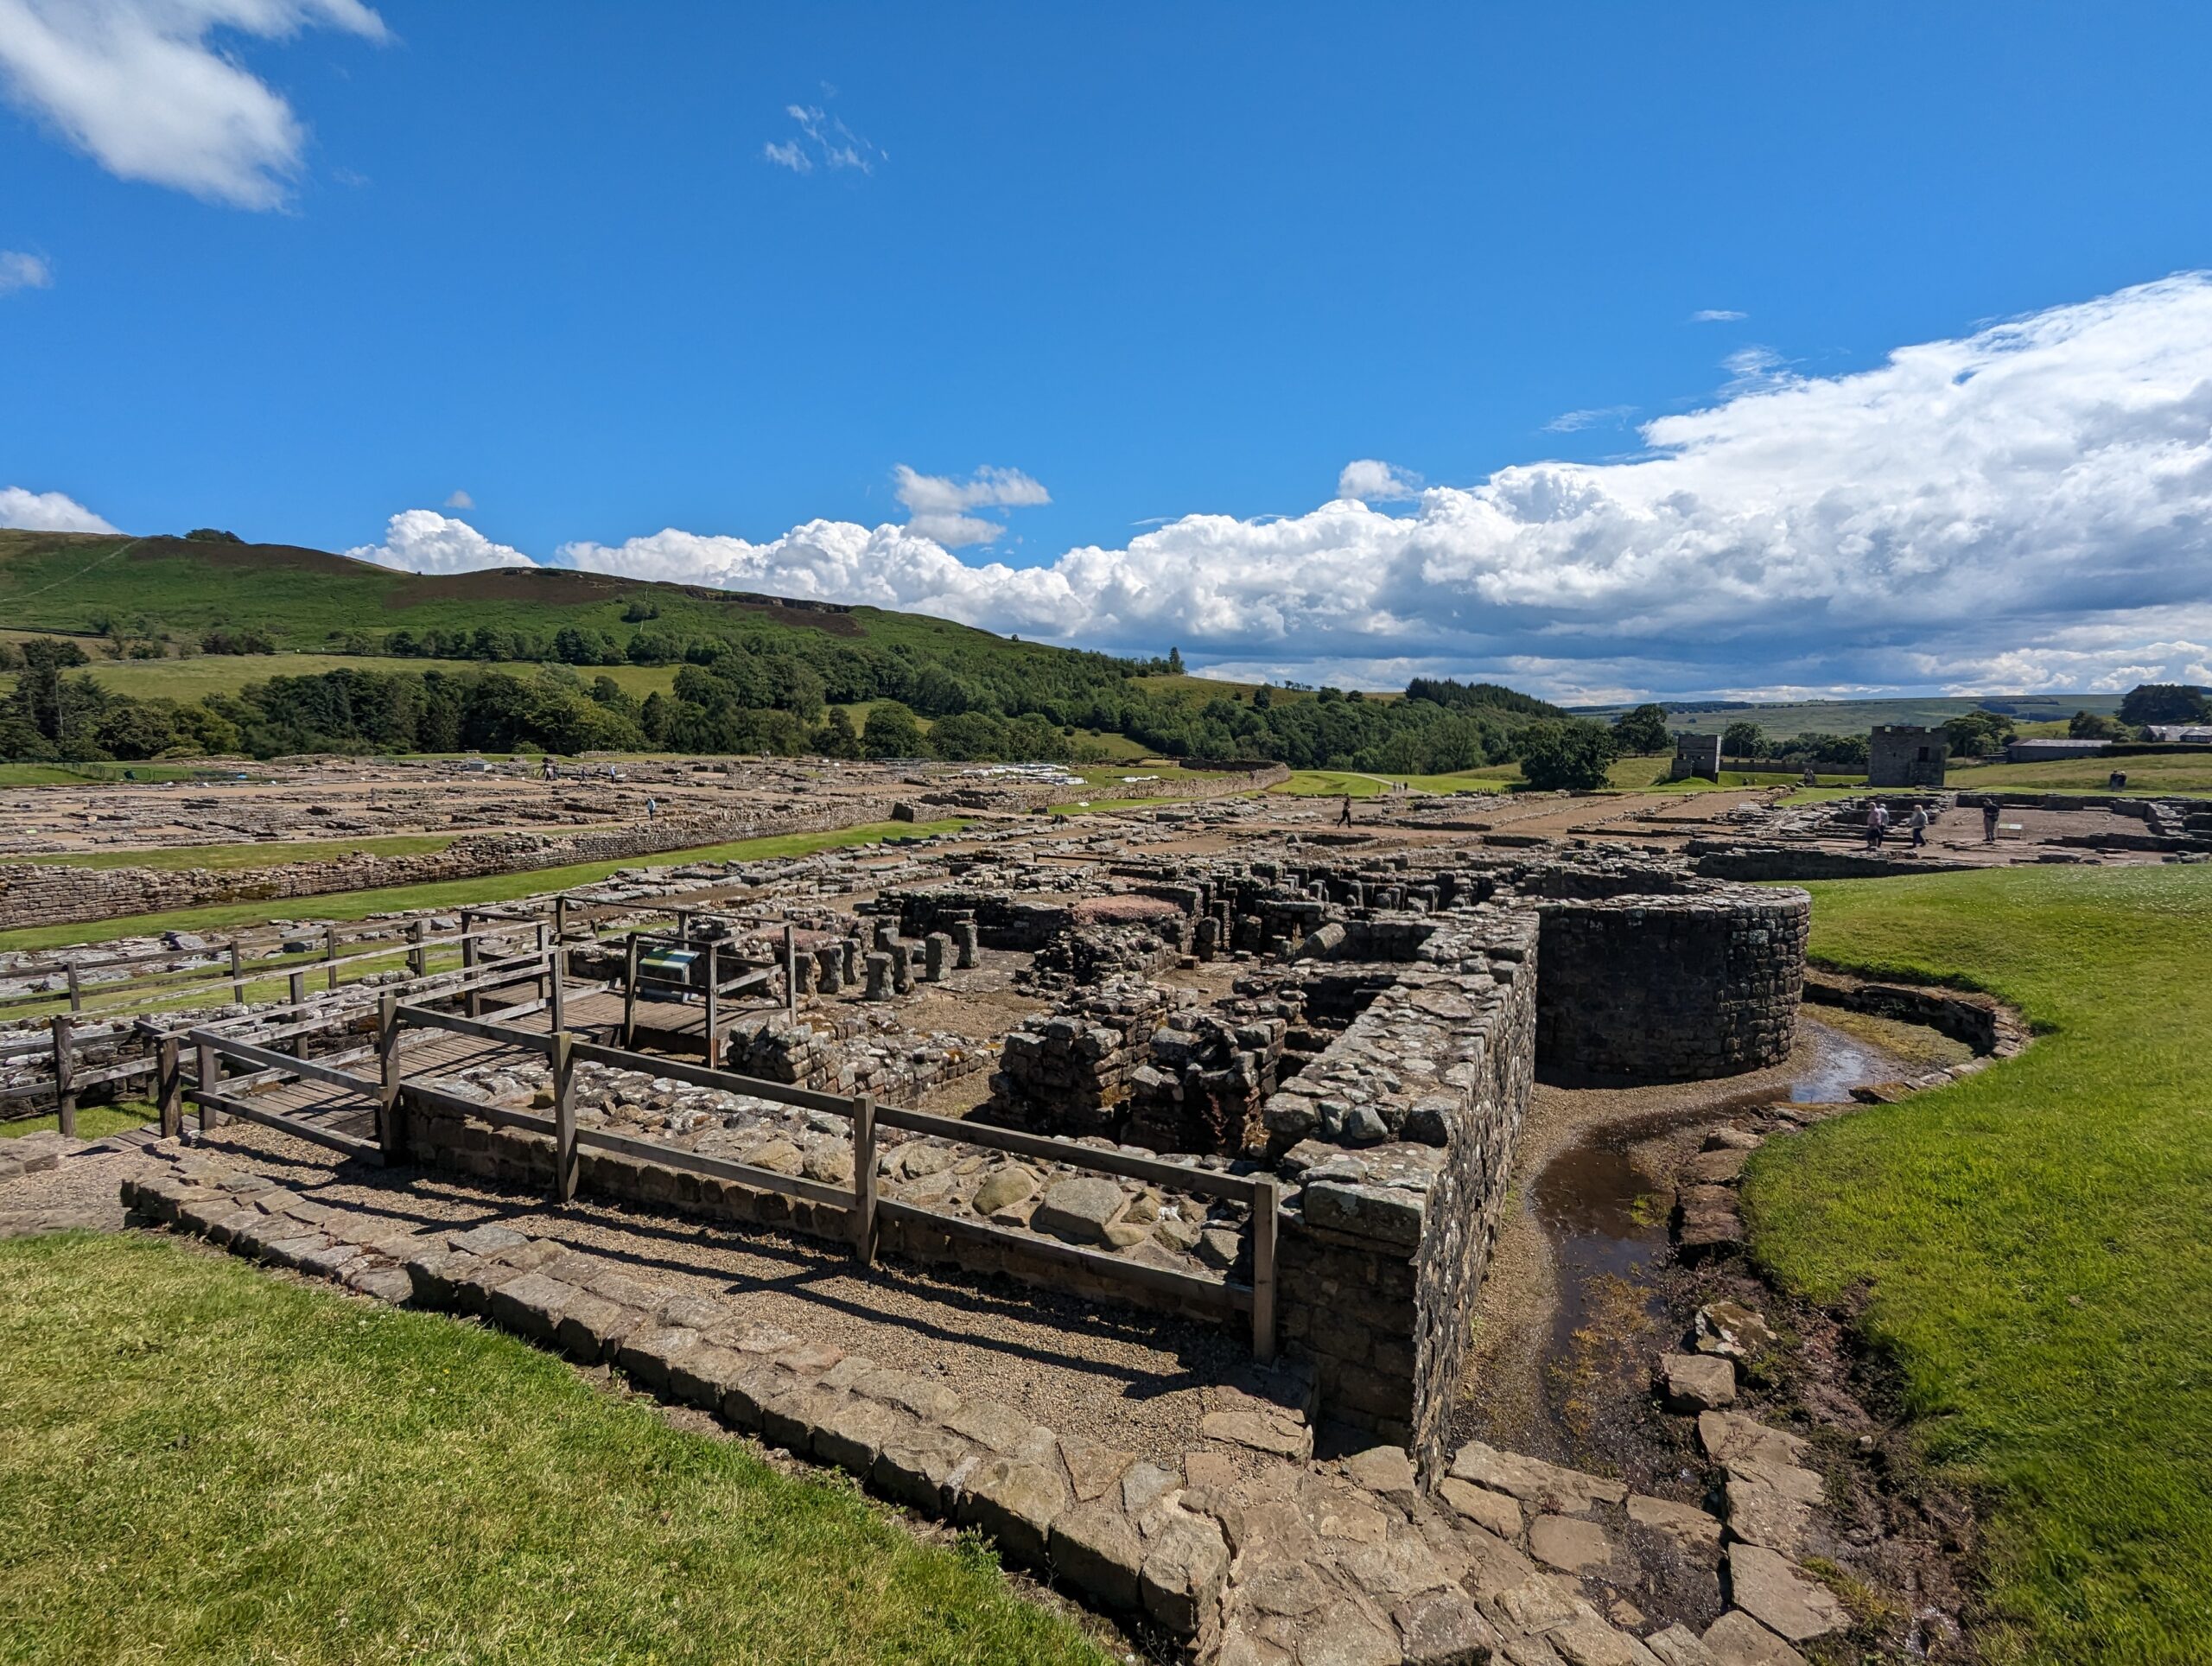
(1405, 1131)
(1068, 1071)
(1671, 988)
(41, 895)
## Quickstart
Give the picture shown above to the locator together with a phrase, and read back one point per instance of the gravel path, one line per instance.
(81, 1190)
(1135, 1381)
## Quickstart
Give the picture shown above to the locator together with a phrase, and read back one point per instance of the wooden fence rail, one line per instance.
(865, 1209)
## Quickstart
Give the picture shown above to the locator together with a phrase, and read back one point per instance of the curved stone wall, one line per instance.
(1678, 987)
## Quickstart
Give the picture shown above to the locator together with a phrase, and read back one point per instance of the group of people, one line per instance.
(1877, 824)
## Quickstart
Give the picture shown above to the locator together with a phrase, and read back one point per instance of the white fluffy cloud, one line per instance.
(423, 541)
(143, 87)
(938, 505)
(2029, 506)
(21, 271)
(1717, 315)
(1372, 480)
(47, 511)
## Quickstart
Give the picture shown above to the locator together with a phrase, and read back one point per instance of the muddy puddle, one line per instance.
(1566, 1345)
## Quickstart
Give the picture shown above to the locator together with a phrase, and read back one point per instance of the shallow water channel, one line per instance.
(1558, 1381)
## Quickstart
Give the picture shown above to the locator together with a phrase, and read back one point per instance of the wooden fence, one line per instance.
(389, 1090)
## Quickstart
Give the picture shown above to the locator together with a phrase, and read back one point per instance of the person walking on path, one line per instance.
(1989, 821)
(1878, 824)
(1918, 822)
(1344, 820)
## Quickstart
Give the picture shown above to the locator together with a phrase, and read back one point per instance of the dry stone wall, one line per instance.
(45, 895)
(1405, 1129)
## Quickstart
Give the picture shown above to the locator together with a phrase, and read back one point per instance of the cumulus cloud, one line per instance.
(2029, 506)
(21, 271)
(47, 511)
(461, 499)
(143, 87)
(1573, 422)
(821, 141)
(423, 541)
(938, 505)
(1372, 480)
(1717, 315)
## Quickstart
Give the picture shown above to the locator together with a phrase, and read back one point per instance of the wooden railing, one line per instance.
(865, 1209)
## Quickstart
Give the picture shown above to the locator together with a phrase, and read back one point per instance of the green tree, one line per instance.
(1979, 732)
(2096, 726)
(837, 738)
(1568, 754)
(1644, 731)
(38, 697)
(893, 731)
(2164, 703)
(1743, 739)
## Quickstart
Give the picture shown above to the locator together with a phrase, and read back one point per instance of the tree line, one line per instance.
(760, 696)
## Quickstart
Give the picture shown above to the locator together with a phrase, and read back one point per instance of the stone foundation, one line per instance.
(1671, 988)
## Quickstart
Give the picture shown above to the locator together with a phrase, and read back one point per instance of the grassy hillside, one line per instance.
(76, 583)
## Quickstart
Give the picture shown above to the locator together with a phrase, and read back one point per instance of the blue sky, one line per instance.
(296, 267)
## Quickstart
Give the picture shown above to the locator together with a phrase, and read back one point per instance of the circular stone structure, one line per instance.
(1703, 981)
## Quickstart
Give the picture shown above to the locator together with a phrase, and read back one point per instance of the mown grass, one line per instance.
(1343, 783)
(107, 774)
(2037, 1240)
(199, 1463)
(94, 1122)
(269, 853)
(2147, 776)
(455, 893)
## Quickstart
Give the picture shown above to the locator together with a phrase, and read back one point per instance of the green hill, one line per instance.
(205, 645)
(141, 589)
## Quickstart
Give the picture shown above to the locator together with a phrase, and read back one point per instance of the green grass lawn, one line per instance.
(2147, 776)
(453, 893)
(199, 1463)
(94, 1122)
(99, 774)
(2037, 1240)
(1340, 783)
(265, 854)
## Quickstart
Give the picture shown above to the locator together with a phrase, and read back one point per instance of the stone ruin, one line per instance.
(1375, 1047)
(1367, 1028)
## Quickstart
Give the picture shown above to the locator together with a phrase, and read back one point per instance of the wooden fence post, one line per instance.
(76, 994)
(299, 983)
(864, 1178)
(330, 953)
(561, 917)
(473, 1001)
(65, 1097)
(418, 957)
(238, 982)
(556, 1006)
(565, 1163)
(209, 1070)
(1266, 1204)
(714, 997)
(684, 926)
(388, 1135)
(630, 993)
(169, 1089)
